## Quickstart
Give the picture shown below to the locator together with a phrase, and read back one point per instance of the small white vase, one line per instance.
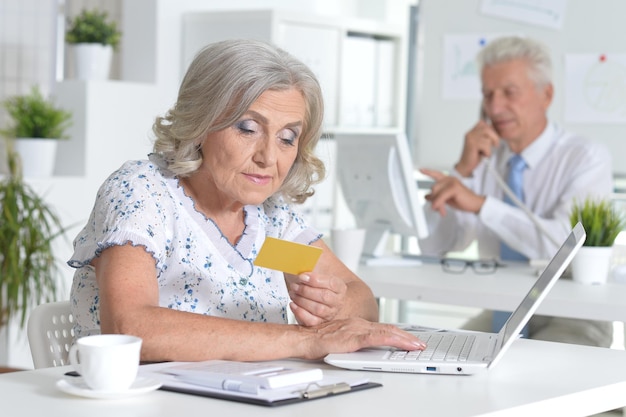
(92, 61)
(37, 156)
(591, 264)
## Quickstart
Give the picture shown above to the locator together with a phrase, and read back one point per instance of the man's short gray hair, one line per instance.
(515, 47)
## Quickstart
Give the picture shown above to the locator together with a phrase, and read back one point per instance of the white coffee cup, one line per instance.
(347, 244)
(107, 362)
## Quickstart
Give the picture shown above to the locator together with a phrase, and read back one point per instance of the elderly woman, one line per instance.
(168, 251)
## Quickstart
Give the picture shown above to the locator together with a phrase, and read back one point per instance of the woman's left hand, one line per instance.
(316, 298)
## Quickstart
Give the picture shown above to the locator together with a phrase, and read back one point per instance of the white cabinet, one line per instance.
(368, 96)
(318, 47)
(360, 64)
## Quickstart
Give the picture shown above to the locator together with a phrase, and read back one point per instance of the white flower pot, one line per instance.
(37, 156)
(591, 264)
(92, 61)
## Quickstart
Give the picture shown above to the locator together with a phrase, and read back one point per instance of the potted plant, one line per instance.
(93, 38)
(602, 223)
(37, 125)
(28, 226)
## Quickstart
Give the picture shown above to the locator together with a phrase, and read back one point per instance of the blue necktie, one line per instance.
(514, 180)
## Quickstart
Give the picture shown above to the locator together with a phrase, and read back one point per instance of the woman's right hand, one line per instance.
(352, 334)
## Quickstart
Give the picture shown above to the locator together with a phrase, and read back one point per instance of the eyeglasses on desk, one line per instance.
(480, 266)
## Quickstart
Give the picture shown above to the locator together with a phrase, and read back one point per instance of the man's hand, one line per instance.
(478, 144)
(449, 190)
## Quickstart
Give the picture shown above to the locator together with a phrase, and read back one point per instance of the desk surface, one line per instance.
(565, 379)
(502, 290)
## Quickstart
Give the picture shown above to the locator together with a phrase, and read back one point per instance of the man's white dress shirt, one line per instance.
(562, 167)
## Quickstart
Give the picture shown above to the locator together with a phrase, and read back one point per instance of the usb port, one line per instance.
(431, 368)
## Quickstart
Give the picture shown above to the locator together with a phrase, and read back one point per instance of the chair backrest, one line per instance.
(50, 334)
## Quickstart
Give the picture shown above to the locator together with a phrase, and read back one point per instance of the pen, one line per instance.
(225, 384)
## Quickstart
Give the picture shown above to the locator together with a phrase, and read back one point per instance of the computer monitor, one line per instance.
(375, 173)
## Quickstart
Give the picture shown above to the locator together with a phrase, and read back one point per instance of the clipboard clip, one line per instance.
(314, 390)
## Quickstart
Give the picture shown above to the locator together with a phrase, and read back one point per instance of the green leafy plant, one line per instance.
(92, 27)
(36, 117)
(28, 226)
(602, 222)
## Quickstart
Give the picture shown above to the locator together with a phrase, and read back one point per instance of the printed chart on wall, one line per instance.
(460, 78)
(596, 88)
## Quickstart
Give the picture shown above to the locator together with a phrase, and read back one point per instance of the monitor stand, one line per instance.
(375, 252)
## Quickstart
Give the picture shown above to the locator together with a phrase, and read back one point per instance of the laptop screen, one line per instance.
(539, 290)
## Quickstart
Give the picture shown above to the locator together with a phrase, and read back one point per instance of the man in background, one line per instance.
(547, 168)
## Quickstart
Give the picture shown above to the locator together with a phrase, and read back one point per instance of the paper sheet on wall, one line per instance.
(547, 13)
(460, 71)
(595, 89)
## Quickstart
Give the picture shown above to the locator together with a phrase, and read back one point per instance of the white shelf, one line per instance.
(111, 124)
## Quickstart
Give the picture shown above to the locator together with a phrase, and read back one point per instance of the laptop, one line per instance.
(470, 352)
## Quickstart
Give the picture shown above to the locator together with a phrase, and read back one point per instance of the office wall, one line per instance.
(588, 27)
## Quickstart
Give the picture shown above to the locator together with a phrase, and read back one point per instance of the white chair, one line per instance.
(50, 334)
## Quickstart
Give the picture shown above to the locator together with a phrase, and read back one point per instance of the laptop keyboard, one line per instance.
(440, 347)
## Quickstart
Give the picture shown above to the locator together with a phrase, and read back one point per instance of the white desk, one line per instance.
(502, 290)
(552, 385)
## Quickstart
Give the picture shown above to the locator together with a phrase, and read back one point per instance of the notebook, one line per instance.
(476, 351)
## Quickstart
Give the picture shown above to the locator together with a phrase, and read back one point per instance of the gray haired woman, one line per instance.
(168, 252)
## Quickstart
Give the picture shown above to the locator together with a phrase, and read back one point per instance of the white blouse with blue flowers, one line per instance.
(197, 269)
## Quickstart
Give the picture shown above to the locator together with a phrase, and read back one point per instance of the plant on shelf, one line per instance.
(93, 27)
(28, 226)
(35, 122)
(93, 38)
(601, 221)
(36, 117)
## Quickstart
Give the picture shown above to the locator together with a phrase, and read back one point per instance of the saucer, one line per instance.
(77, 386)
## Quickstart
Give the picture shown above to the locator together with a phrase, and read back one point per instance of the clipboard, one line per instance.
(327, 387)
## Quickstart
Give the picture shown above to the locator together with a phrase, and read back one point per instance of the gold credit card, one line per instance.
(290, 257)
